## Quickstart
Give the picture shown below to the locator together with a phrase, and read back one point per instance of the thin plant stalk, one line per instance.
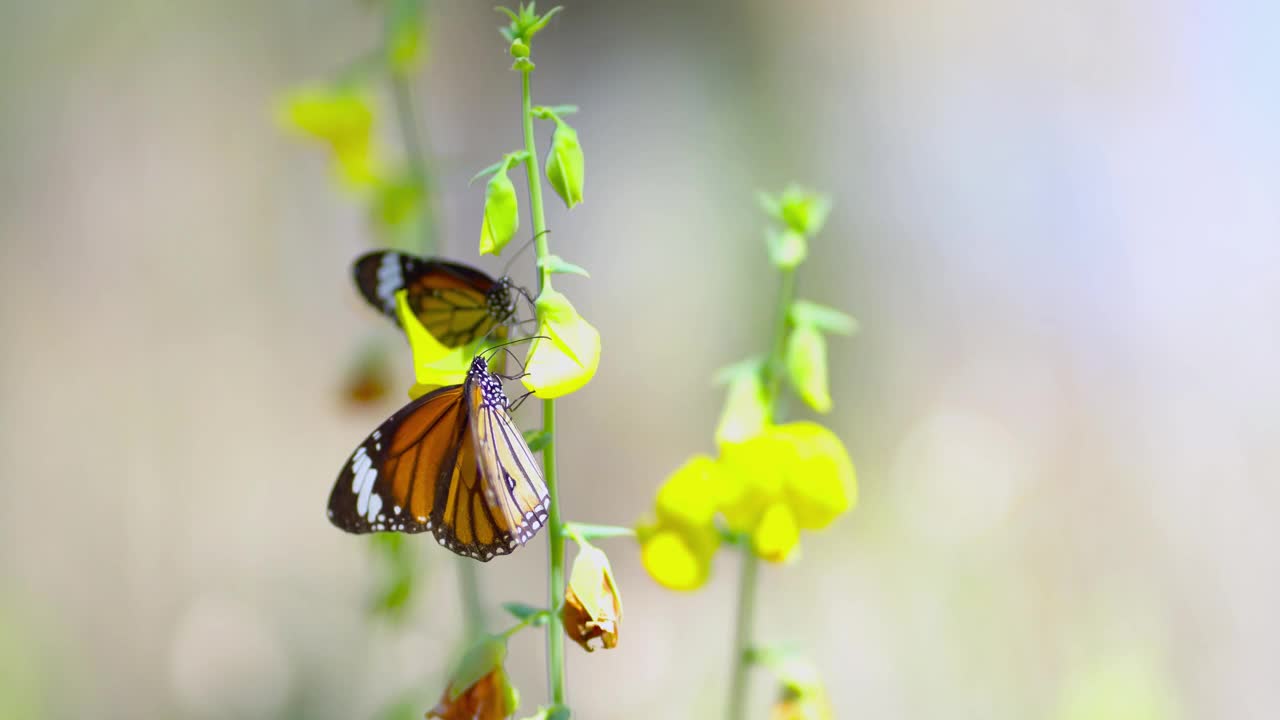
(742, 637)
(419, 169)
(555, 527)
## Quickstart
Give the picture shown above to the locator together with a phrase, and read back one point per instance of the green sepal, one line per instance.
(558, 265)
(511, 158)
(728, 373)
(801, 210)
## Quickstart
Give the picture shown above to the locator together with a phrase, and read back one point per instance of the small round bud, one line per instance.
(519, 48)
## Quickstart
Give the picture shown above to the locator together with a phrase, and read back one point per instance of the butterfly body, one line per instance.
(451, 463)
(455, 303)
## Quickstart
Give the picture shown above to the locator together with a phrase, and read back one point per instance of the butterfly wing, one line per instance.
(515, 499)
(395, 480)
(455, 303)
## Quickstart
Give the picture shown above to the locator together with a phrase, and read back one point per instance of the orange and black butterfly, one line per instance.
(451, 462)
(455, 303)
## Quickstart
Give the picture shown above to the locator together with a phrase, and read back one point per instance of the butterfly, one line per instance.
(451, 462)
(455, 303)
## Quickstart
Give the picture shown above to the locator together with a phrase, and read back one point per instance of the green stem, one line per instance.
(555, 527)
(419, 171)
(777, 352)
(742, 633)
(742, 641)
(472, 604)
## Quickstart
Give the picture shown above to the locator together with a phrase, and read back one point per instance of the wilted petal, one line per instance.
(592, 605)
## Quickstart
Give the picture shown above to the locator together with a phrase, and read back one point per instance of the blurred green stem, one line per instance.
(472, 603)
(555, 528)
(742, 634)
(777, 352)
(419, 170)
(742, 642)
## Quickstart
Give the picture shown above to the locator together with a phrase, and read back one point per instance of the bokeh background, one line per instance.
(1056, 223)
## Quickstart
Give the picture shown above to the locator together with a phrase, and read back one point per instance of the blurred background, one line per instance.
(1056, 224)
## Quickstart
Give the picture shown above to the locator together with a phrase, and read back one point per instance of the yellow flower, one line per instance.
(678, 546)
(434, 365)
(479, 689)
(567, 354)
(789, 477)
(808, 706)
(592, 606)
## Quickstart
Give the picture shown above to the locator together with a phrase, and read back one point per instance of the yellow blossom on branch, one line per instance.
(566, 353)
(789, 477)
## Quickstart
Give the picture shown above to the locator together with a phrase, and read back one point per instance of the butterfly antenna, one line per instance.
(525, 246)
(499, 346)
(512, 407)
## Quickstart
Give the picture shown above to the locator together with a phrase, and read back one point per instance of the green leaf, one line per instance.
(587, 531)
(554, 111)
(558, 265)
(537, 439)
(826, 319)
(483, 657)
(526, 613)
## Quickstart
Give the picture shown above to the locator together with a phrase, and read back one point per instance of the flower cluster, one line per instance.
(769, 480)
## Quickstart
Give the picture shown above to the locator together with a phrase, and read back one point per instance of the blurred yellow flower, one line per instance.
(343, 119)
(789, 477)
(678, 546)
(434, 365)
(567, 354)
(592, 605)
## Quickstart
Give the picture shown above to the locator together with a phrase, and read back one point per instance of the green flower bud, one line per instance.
(519, 49)
(501, 213)
(807, 366)
(564, 164)
(787, 248)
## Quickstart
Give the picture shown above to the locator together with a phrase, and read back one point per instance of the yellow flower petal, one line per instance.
(691, 495)
(672, 560)
(434, 365)
(776, 536)
(821, 484)
(566, 356)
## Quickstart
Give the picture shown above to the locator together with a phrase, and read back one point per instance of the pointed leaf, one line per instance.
(559, 265)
